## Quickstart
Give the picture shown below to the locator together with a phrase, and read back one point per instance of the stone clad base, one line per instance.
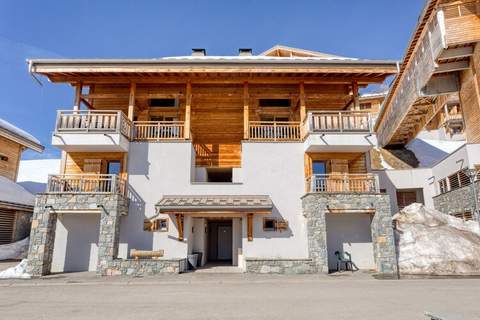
(279, 266)
(144, 267)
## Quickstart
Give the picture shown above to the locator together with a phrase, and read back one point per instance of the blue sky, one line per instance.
(374, 29)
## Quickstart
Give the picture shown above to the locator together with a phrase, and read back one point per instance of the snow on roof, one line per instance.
(23, 135)
(373, 94)
(14, 193)
(261, 58)
(431, 151)
(300, 51)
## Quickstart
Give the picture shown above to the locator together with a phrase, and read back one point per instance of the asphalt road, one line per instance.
(238, 296)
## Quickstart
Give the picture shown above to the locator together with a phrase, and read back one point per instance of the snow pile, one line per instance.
(432, 243)
(16, 250)
(17, 272)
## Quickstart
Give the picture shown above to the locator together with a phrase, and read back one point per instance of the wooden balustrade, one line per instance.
(365, 183)
(341, 121)
(274, 130)
(158, 130)
(86, 183)
(93, 121)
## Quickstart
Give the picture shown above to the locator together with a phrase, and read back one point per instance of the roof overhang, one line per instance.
(66, 70)
(214, 204)
(21, 140)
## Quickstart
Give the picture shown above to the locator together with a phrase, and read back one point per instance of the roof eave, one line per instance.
(21, 140)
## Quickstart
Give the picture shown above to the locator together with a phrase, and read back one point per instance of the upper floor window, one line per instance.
(365, 106)
(163, 103)
(274, 102)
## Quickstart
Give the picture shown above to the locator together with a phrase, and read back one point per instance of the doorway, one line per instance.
(220, 242)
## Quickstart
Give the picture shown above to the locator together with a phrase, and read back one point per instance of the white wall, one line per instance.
(76, 242)
(274, 169)
(350, 232)
(200, 239)
(237, 241)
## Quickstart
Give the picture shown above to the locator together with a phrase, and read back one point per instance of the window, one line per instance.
(269, 224)
(466, 216)
(274, 102)
(274, 118)
(162, 118)
(113, 167)
(443, 185)
(219, 174)
(163, 103)
(155, 225)
(3, 157)
(319, 167)
(406, 198)
(365, 106)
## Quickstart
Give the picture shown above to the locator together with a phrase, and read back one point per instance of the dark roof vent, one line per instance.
(245, 52)
(199, 52)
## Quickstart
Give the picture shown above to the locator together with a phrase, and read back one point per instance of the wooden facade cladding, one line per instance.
(440, 48)
(470, 98)
(10, 154)
(92, 162)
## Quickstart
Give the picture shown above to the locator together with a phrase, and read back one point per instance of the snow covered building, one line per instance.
(259, 161)
(16, 203)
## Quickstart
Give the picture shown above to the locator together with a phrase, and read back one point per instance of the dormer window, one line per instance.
(163, 103)
(3, 157)
(284, 103)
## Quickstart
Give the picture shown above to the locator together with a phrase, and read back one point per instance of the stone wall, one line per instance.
(317, 205)
(42, 234)
(280, 266)
(144, 267)
(457, 201)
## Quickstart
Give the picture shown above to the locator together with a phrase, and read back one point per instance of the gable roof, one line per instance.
(15, 194)
(19, 136)
(284, 51)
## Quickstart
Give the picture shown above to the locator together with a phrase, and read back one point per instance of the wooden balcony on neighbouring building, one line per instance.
(338, 183)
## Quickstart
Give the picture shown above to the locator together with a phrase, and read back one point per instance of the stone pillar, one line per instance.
(108, 241)
(42, 237)
(314, 211)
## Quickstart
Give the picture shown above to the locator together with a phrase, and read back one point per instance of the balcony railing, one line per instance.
(335, 183)
(274, 130)
(86, 183)
(342, 121)
(158, 130)
(93, 121)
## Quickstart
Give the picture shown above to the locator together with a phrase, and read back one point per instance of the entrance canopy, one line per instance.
(214, 203)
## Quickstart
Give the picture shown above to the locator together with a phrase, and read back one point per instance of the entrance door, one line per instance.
(224, 243)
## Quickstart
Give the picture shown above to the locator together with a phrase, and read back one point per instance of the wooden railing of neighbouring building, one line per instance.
(340, 121)
(334, 183)
(274, 130)
(86, 183)
(93, 121)
(158, 130)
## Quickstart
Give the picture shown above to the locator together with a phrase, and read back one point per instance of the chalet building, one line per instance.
(260, 161)
(16, 203)
(437, 90)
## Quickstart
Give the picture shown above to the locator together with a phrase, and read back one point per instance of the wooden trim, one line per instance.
(131, 100)
(78, 96)
(303, 109)
(356, 99)
(250, 226)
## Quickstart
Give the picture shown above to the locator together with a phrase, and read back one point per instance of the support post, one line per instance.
(250, 226)
(179, 218)
(303, 110)
(78, 96)
(246, 99)
(188, 103)
(356, 98)
(131, 100)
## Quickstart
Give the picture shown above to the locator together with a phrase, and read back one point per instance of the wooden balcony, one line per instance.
(92, 121)
(339, 122)
(276, 131)
(338, 183)
(158, 130)
(85, 183)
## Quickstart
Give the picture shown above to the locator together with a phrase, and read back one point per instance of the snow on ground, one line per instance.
(17, 272)
(33, 174)
(15, 250)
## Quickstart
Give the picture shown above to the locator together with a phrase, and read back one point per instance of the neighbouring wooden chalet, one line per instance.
(257, 147)
(16, 203)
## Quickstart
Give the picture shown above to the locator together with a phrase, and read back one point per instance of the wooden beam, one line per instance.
(179, 218)
(246, 111)
(78, 94)
(455, 53)
(188, 103)
(250, 226)
(452, 66)
(131, 100)
(87, 103)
